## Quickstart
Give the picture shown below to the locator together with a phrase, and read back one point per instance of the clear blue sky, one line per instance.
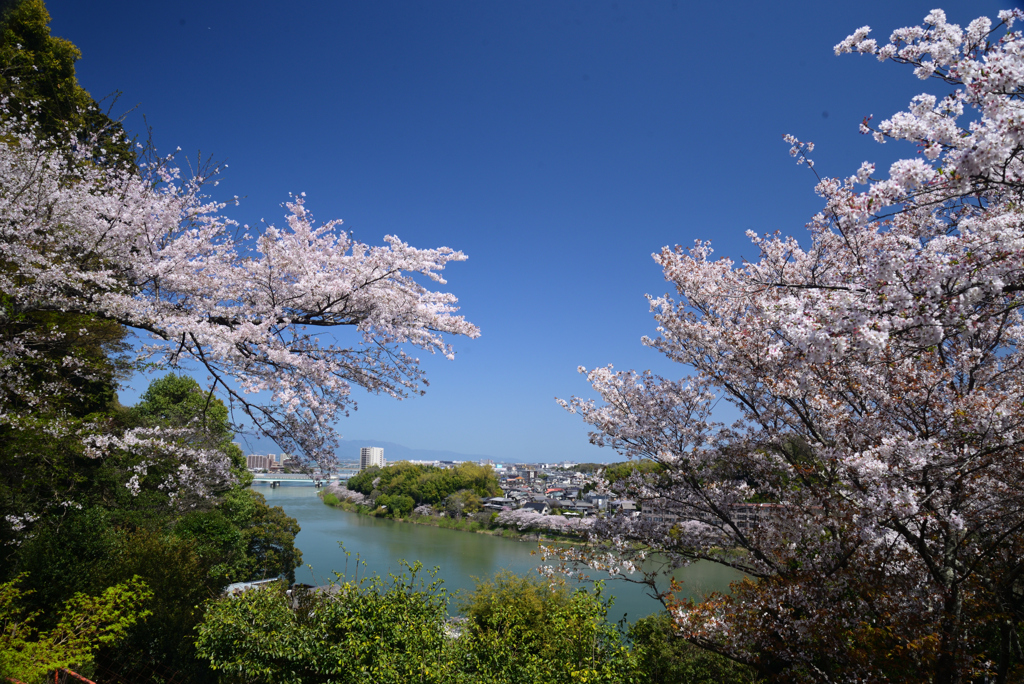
(558, 144)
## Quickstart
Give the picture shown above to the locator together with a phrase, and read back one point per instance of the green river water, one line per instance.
(460, 556)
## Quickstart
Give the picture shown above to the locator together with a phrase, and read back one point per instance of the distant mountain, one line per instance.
(349, 451)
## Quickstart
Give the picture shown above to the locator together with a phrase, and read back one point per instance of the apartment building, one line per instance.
(371, 456)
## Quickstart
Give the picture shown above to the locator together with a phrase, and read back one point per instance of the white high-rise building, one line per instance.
(371, 456)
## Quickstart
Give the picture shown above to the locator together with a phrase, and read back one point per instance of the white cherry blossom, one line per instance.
(872, 488)
(245, 308)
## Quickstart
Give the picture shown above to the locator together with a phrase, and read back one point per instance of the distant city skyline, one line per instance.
(350, 451)
(557, 144)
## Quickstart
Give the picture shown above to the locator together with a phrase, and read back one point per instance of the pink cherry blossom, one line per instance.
(873, 482)
(245, 308)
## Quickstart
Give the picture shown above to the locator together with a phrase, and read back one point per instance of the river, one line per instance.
(460, 556)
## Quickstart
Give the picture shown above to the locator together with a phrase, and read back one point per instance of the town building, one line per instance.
(261, 462)
(371, 456)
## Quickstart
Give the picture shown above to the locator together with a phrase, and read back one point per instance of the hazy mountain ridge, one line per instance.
(349, 451)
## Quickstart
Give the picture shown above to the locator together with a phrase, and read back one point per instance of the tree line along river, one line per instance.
(460, 556)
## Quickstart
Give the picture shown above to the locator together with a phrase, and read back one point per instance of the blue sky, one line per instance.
(558, 144)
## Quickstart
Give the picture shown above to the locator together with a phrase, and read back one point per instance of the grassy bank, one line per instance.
(463, 524)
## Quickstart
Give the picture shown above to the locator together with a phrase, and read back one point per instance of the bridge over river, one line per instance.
(303, 479)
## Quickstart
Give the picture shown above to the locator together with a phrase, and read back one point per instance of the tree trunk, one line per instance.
(1004, 651)
(946, 670)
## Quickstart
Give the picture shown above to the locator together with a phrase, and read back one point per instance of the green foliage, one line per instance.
(177, 401)
(37, 74)
(86, 554)
(664, 657)
(199, 421)
(620, 471)
(66, 556)
(364, 632)
(215, 537)
(527, 630)
(71, 380)
(83, 624)
(396, 506)
(267, 535)
(517, 630)
(535, 602)
(362, 482)
(426, 484)
(179, 575)
(79, 359)
(453, 523)
(187, 558)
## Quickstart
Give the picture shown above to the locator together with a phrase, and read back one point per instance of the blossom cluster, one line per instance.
(877, 368)
(345, 494)
(146, 249)
(524, 519)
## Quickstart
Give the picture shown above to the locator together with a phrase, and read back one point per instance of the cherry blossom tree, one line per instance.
(873, 486)
(524, 519)
(148, 250)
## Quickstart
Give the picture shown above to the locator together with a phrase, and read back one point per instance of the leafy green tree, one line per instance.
(37, 75)
(519, 631)
(186, 557)
(177, 401)
(396, 506)
(528, 630)
(179, 575)
(85, 624)
(268, 535)
(535, 600)
(624, 469)
(145, 486)
(90, 551)
(363, 481)
(426, 484)
(65, 556)
(664, 658)
(371, 631)
(45, 469)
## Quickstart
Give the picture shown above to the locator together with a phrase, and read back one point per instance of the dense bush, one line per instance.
(369, 631)
(397, 505)
(426, 484)
(516, 630)
(526, 629)
(183, 558)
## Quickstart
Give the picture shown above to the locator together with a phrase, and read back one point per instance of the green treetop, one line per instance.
(37, 75)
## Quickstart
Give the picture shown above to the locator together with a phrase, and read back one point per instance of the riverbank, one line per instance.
(330, 498)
